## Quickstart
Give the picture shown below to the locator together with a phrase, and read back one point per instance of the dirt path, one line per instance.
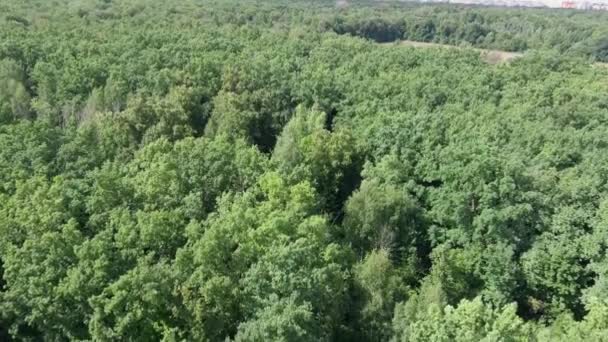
(490, 56)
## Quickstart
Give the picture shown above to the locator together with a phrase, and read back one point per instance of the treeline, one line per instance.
(570, 32)
(201, 171)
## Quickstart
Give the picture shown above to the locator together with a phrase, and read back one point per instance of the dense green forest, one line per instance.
(268, 171)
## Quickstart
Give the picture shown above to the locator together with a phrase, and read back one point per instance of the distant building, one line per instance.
(585, 5)
(342, 3)
(504, 3)
(568, 4)
(571, 4)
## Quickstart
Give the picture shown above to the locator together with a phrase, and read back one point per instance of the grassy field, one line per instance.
(490, 56)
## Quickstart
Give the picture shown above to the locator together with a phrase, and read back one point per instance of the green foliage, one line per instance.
(592, 328)
(14, 98)
(281, 321)
(491, 28)
(469, 321)
(32, 272)
(259, 248)
(330, 161)
(383, 217)
(381, 288)
(240, 171)
(137, 306)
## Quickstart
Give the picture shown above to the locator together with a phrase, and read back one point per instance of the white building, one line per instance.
(573, 4)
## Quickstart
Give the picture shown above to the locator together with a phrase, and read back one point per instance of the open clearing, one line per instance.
(490, 56)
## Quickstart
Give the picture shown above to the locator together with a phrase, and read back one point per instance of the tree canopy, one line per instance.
(280, 171)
